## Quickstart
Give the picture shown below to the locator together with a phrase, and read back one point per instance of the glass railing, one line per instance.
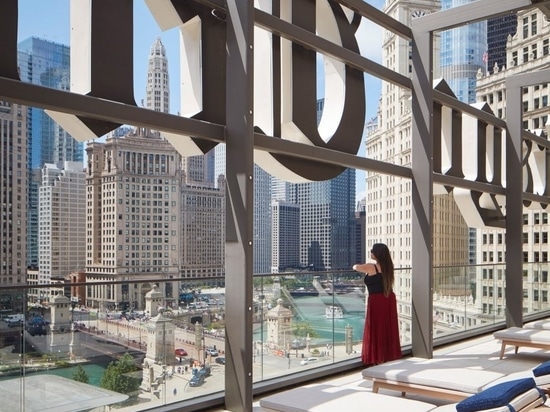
(468, 297)
(158, 349)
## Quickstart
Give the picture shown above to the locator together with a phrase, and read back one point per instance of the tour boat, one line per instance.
(334, 312)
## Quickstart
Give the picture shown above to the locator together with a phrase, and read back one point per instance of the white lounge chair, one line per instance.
(452, 379)
(328, 398)
(538, 324)
(529, 337)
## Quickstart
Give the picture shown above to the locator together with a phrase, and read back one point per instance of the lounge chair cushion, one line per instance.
(327, 398)
(538, 324)
(496, 396)
(542, 369)
(444, 373)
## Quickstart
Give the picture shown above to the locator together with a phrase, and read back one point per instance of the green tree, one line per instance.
(80, 375)
(117, 375)
(302, 329)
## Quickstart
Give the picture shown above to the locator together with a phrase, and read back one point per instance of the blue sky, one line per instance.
(49, 19)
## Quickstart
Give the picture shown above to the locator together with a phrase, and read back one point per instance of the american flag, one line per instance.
(485, 57)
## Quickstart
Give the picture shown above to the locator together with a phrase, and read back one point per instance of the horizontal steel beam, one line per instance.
(303, 151)
(311, 41)
(480, 10)
(81, 105)
(378, 16)
(462, 183)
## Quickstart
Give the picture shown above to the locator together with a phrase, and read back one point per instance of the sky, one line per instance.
(49, 19)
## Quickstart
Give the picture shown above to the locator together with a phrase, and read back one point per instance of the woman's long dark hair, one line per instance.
(382, 254)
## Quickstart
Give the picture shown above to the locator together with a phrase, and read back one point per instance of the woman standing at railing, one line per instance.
(381, 334)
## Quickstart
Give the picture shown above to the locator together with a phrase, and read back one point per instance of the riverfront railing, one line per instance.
(160, 348)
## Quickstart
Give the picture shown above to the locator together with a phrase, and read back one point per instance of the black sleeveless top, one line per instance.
(374, 283)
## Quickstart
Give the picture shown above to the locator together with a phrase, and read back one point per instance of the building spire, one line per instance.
(158, 89)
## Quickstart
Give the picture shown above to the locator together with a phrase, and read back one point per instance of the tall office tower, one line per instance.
(62, 221)
(158, 86)
(35, 180)
(526, 51)
(285, 253)
(327, 234)
(203, 230)
(262, 221)
(133, 204)
(262, 211)
(13, 203)
(210, 165)
(498, 30)
(462, 51)
(47, 64)
(388, 201)
(360, 230)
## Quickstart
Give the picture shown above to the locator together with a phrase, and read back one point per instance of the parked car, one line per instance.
(297, 344)
(12, 323)
(220, 360)
(211, 351)
(307, 361)
(196, 380)
(181, 352)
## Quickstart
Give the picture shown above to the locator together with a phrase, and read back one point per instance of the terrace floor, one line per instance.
(486, 349)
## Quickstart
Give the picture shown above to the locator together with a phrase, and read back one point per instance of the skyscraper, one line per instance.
(285, 218)
(388, 203)
(203, 230)
(62, 221)
(462, 54)
(262, 212)
(13, 202)
(44, 63)
(327, 226)
(133, 228)
(137, 178)
(526, 51)
(498, 30)
(158, 88)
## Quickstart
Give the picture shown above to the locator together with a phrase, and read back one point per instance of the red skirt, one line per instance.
(381, 335)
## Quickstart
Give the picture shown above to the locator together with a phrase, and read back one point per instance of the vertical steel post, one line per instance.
(422, 194)
(239, 204)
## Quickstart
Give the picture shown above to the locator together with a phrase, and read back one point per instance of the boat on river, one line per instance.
(334, 312)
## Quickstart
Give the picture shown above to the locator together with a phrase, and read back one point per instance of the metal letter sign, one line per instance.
(285, 73)
(101, 61)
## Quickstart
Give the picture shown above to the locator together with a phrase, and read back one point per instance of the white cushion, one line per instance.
(538, 324)
(328, 398)
(438, 373)
(524, 334)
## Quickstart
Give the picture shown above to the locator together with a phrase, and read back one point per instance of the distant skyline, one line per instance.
(39, 18)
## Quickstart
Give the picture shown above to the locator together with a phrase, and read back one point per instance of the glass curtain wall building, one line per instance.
(462, 54)
(44, 63)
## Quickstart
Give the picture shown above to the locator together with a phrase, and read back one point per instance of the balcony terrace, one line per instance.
(262, 347)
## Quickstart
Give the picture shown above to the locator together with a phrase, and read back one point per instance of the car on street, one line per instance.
(307, 361)
(211, 351)
(12, 323)
(297, 344)
(181, 352)
(196, 380)
(220, 360)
